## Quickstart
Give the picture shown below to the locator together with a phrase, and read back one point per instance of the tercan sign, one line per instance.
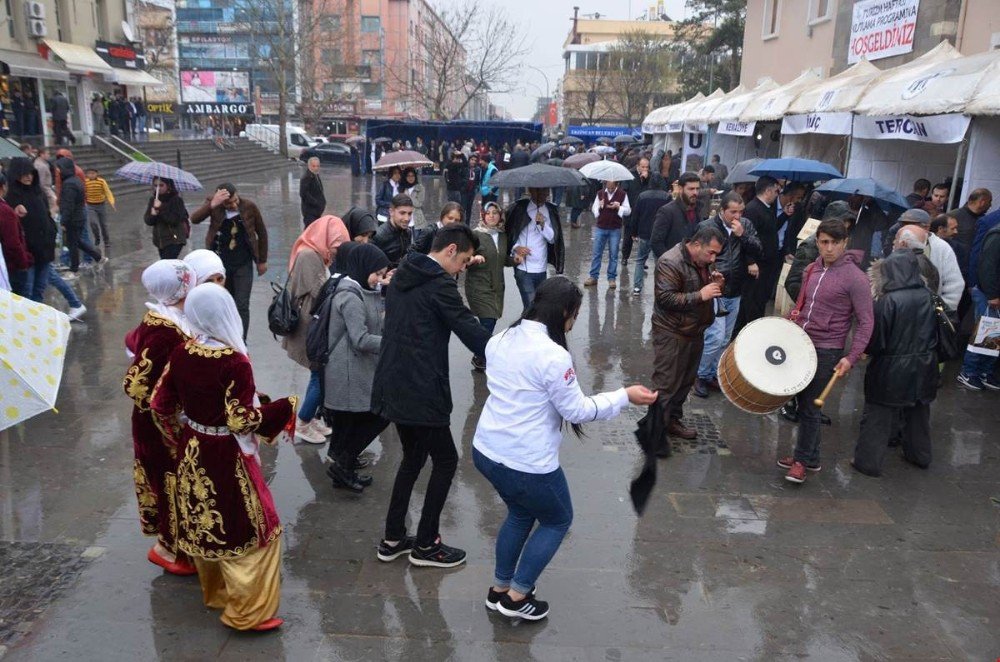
(882, 28)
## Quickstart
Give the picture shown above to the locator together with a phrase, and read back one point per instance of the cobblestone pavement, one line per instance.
(730, 562)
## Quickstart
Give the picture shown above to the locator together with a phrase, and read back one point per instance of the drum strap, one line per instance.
(802, 293)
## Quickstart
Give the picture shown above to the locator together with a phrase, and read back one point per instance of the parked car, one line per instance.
(328, 153)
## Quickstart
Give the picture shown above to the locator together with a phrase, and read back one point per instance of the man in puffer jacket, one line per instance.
(73, 214)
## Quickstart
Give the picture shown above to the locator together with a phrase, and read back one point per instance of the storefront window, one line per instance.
(21, 112)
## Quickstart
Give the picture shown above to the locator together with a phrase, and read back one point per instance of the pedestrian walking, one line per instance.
(978, 370)
(579, 199)
(534, 229)
(312, 199)
(454, 177)
(97, 114)
(163, 329)
(237, 232)
(534, 391)
(610, 207)
(73, 215)
(471, 180)
(902, 375)
(643, 180)
(16, 256)
(684, 306)
(484, 279)
(423, 309)
(413, 188)
(643, 215)
(355, 337)
(226, 519)
(489, 193)
(99, 197)
(59, 109)
(835, 293)
(309, 264)
(167, 215)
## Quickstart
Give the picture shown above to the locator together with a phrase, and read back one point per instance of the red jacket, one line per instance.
(15, 249)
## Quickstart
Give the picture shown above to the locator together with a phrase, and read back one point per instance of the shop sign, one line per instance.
(882, 28)
(216, 108)
(736, 128)
(941, 129)
(122, 56)
(164, 108)
(584, 131)
(837, 124)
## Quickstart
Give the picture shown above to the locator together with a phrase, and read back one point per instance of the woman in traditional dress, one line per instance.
(207, 265)
(162, 330)
(224, 514)
(308, 270)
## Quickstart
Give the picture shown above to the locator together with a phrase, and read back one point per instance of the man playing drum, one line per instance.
(834, 292)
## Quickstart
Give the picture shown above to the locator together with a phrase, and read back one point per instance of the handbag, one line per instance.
(948, 348)
(282, 315)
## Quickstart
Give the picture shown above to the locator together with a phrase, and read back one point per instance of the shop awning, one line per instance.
(773, 104)
(940, 81)
(702, 111)
(733, 107)
(31, 65)
(79, 59)
(134, 77)
(837, 94)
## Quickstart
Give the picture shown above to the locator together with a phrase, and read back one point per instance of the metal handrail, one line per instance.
(132, 149)
(100, 141)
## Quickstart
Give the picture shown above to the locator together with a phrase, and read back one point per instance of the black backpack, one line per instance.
(282, 316)
(318, 345)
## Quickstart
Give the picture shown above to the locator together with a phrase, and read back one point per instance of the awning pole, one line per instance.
(953, 194)
(850, 145)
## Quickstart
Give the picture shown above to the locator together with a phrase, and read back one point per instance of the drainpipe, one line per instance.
(960, 36)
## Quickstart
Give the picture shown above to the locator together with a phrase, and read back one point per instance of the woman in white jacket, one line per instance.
(533, 391)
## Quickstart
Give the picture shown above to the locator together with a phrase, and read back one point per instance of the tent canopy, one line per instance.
(773, 104)
(657, 120)
(732, 107)
(700, 112)
(986, 100)
(838, 93)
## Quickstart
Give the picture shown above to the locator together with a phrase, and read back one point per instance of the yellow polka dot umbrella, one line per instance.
(33, 340)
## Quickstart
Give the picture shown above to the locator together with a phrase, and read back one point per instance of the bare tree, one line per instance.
(585, 96)
(460, 53)
(641, 72)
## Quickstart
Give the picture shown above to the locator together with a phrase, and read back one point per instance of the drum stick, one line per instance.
(826, 391)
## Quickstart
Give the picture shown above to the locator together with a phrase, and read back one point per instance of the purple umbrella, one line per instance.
(579, 160)
(402, 159)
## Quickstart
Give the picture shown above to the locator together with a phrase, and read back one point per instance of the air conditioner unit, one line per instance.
(36, 28)
(34, 9)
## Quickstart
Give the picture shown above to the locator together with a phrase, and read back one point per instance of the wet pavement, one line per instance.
(729, 562)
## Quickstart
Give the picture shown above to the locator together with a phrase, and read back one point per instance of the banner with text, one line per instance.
(882, 28)
(942, 129)
(837, 124)
(735, 128)
(693, 152)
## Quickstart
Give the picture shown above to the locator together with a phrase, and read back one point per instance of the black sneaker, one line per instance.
(529, 608)
(348, 480)
(388, 553)
(493, 598)
(437, 555)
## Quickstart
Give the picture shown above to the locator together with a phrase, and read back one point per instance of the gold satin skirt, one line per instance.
(247, 589)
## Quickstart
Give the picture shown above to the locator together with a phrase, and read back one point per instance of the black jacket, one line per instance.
(805, 254)
(59, 107)
(581, 197)
(670, 226)
(454, 175)
(422, 309)
(644, 211)
(988, 268)
(737, 253)
(393, 242)
(636, 187)
(520, 157)
(517, 218)
(39, 228)
(72, 210)
(966, 226)
(903, 370)
(312, 197)
(765, 221)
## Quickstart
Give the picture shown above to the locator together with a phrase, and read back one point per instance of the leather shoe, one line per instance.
(700, 388)
(664, 449)
(677, 429)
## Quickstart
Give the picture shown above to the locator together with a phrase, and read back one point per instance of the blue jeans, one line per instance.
(521, 554)
(557, 195)
(612, 239)
(978, 365)
(527, 284)
(640, 262)
(717, 337)
(40, 276)
(313, 397)
(574, 215)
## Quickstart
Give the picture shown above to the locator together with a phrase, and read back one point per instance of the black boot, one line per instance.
(346, 479)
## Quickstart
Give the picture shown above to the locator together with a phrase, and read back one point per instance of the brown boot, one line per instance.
(590, 282)
(612, 284)
(677, 429)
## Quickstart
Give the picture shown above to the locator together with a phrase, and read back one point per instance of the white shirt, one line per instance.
(537, 239)
(623, 211)
(533, 388)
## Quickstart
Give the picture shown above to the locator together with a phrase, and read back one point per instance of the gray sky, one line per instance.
(547, 23)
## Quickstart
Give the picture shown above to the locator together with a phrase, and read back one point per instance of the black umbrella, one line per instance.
(571, 140)
(604, 140)
(537, 175)
(542, 150)
(739, 172)
(554, 162)
(624, 139)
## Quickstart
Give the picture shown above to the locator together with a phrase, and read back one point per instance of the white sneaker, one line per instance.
(320, 426)
(69, 276)
(308, 433)
(76, 313)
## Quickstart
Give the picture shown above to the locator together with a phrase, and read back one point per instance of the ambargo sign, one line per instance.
(882, 28)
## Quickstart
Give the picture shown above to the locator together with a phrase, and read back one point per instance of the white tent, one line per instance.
(735, 141)
(701, 113)
(693, 111)
(771, 105)
(658, 120)
(732, 107)
(838, 93)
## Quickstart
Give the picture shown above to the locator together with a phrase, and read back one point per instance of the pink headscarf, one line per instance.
(323, 235)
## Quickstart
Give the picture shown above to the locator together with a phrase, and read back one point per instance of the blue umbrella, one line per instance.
(884, 197)
(144, 172)
(796, 170)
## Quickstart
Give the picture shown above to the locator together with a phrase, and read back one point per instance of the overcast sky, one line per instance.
(547, 23)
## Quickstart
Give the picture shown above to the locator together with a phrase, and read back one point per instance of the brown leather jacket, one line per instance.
(679, 309)
(252, 221)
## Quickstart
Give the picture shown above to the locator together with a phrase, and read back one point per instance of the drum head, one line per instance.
(775, 356)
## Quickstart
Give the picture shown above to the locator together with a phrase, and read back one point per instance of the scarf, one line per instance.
(323, 235)
(212, 313)
(205, 263)
(169, 282)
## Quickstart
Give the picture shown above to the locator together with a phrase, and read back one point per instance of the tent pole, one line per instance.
(953, 193)
(850, 144)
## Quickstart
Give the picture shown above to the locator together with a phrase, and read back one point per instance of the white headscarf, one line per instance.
(169, 281)
(205, 263)
(211, 311)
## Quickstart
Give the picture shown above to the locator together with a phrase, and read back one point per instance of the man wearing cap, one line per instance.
(236, 231)
(941, 255)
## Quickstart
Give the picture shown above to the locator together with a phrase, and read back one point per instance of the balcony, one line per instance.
(349, 72)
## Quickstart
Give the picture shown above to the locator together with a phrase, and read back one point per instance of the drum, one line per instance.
(769, 362)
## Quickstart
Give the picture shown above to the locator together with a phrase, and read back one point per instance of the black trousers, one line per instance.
(419, 442)
(239, 282)
(756, 293)
(76, 243)
(171, 252)
(468, 197)
(626, 243)
(879, 424)
(352, 432)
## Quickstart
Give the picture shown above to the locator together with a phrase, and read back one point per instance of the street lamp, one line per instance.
(543, 76)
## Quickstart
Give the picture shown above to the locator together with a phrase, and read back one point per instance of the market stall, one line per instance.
(736, 141)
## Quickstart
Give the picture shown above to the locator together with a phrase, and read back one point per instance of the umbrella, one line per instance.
(537, 175)
(571, 140)
(554, 162)
(796, 170)
(402, 159)
(605, 171)
(33, 340)
(604, 140)
(740, 172)
(144, 172)
(542, 150)
(603, 149)
(884, 197)
(354, 140)
(624, 139)
(579, 160)
(383, 139)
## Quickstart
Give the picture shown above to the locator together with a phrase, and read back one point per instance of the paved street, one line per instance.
(730, 561)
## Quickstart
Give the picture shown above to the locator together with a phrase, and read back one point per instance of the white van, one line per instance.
(267, 135)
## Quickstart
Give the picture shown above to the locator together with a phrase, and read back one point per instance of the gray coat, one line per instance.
(355, 335)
